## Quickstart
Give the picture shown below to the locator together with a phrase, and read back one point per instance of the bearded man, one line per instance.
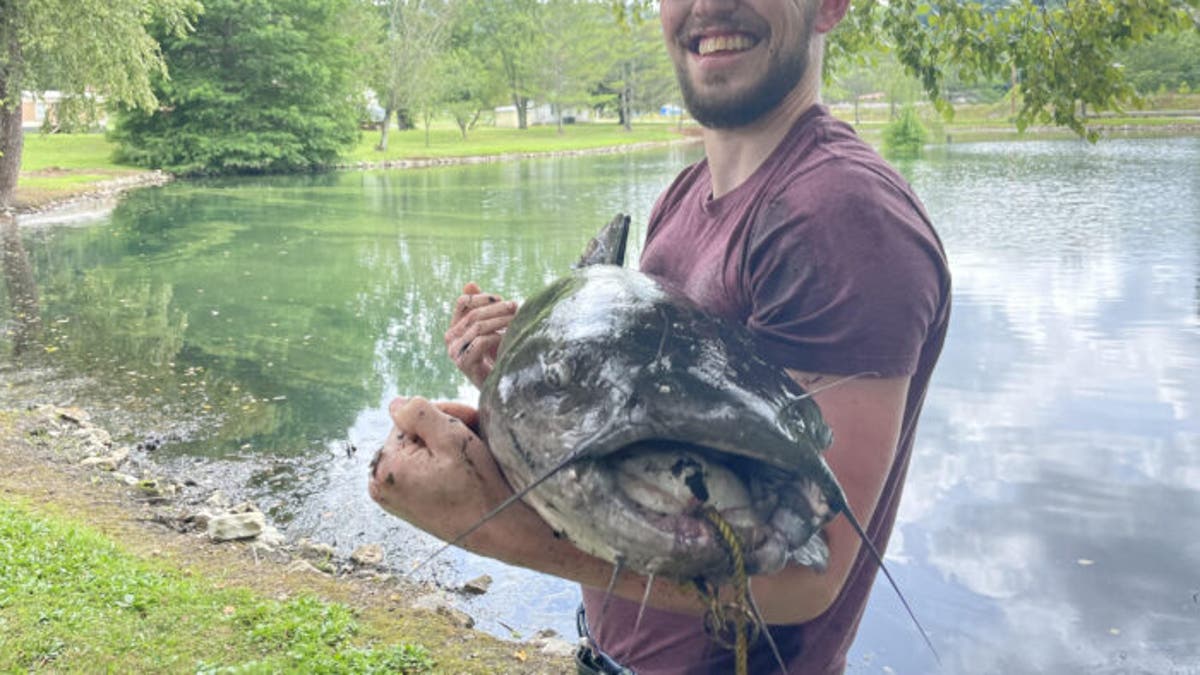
(792, 226)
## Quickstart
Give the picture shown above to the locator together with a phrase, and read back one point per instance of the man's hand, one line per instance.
(476, 328)
(435, 472)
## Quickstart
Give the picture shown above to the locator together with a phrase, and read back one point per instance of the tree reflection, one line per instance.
(25, 329)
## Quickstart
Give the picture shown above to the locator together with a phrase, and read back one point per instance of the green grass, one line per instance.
(57, 166)
(445, 141)
(72, 601)
(60, 166)
(68, 151)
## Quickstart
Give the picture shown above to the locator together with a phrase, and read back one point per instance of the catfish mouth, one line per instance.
(669, 478)
(676, 488)
(672, 494)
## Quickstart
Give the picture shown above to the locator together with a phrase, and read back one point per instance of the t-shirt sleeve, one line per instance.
(844, 276)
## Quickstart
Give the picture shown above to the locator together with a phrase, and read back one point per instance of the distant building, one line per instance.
(38, 107)
(506, 116)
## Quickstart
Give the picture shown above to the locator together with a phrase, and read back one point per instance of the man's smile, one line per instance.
(722, 43)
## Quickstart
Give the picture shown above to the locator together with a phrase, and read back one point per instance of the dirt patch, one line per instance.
(54, 460)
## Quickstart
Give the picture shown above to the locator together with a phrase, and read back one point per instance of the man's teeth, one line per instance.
(724, 43)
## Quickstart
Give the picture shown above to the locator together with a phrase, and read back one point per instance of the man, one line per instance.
(792, 226)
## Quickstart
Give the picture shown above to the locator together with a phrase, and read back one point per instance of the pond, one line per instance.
(255, 329)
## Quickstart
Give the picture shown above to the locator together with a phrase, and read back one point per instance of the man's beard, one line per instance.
(781, 78)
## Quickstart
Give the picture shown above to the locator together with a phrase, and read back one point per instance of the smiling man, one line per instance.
(792, 226)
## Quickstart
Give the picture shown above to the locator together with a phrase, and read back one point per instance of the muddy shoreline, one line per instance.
(62, 464)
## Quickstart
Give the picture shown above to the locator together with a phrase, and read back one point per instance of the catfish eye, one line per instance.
(557, 373)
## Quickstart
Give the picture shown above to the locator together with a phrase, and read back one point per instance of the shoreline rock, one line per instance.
(91, 202)
(40, 452)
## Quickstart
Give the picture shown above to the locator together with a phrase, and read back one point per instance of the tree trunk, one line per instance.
(383, 131)
(522, 120)
(1012, 92)
(19, 282)
(11, 142)
(627, 97)
(558, 114)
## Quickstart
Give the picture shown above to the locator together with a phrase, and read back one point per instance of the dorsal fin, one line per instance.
(608, 246)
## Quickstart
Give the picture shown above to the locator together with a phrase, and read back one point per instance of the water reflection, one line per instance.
(1058, 464)
(21, 288)
(1049, 521)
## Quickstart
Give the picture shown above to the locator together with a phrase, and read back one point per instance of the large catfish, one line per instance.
(640, 427)
(622, 411)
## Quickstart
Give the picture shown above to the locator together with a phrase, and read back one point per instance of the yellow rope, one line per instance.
(716, 616)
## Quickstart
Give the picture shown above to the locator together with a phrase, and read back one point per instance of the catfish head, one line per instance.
(623, 411)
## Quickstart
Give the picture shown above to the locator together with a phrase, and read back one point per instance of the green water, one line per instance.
(271, 312)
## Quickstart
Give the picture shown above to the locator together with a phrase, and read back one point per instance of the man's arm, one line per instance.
(437, 474)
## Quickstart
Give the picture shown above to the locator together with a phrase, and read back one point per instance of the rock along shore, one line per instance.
(57, 455)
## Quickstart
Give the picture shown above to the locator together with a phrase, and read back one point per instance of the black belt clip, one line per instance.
(589, 660)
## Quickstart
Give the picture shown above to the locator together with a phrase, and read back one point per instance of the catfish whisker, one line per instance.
(809, 393)
(645, 599)
(512, 499)
(765, 628)
(896, 587)
(612, 584)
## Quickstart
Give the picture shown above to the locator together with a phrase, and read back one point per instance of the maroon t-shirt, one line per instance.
(829, 258)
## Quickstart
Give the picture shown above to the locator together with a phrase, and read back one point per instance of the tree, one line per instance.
(854, 83)
(415, 35)
(576, 52)
(649, 76)
(260, 86)
(1165, 62)
(466, 90)
(1064, 52)
(20, 286)
(510, 32)
(96, 48)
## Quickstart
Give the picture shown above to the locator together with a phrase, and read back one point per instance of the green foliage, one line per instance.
(84, 48)
(1164, 62)
(97, 46)
(71, 601)
(261, 86)
(577, 51)
(1064, 52)
(407, 59)
(905, 136)
(509, 38)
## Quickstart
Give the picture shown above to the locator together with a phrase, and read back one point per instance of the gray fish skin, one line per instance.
(607, 366)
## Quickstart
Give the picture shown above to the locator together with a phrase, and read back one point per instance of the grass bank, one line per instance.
(73, 600)
(1171, 114)
(58, 167)
(447, 142)
(55, 167)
